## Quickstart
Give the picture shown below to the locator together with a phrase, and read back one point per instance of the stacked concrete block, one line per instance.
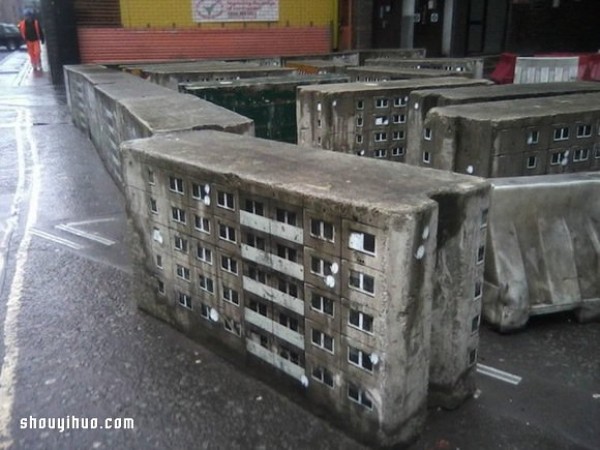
(386, 73)
(270, 101)
(469, 67)
(112, 107)
(365, 119)
(323, 276)
(170, 75)
(543, 248)
(421, 101)
(514, 138)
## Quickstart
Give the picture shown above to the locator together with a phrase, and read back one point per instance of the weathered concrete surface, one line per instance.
(401, 215)
(355, 118)
(269, 101)
(112, 106)
(170, 75)
(534, 136)
(421, 101)
(385, 73)
(318, 66)
(470, 67)
(358, 57)
(543, 248)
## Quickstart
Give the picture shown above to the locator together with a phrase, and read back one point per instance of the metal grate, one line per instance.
(98, 13)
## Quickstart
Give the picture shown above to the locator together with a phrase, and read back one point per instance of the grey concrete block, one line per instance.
(380, 368)
(543, 248)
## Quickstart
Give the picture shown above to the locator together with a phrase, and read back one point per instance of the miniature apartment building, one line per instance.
(386, 73)
(270, 101)
(171, 74)
(365, 119)
(421, 101)
(515, 138)
(469, 67)
(320, 277)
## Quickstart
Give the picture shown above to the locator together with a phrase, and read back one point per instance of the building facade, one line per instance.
(364, 119)
(421, 101)
(313, 274)
(515, 138)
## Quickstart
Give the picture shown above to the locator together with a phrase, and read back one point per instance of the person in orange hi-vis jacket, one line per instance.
(32, 33)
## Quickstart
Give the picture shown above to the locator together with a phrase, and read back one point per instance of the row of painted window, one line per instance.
(533, 136)
(356, 357)
(383, 152)
(359, 281)
(319, 229)
(379, 103)
(382, 136)
(556, 158)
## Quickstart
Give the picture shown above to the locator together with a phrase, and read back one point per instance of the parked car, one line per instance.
(10, 37)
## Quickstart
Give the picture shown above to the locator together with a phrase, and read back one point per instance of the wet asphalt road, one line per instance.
(73, 344)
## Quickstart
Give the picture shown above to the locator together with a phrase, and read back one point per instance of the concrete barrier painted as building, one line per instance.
(421, 101)
(522, 137)
(310, 265)
(358, 57)
(172, 74)
(468, 67)
(112, 107)
(365, 119)
(543, 251)
(387, 73)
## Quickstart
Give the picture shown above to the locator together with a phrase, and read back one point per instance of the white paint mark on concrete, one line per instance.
(499, 374)
(24, 139)
(91, 221)
(470, 169)
(304, 380)
(56, 239)
(84, 234)
(329, 281)
(420, 252)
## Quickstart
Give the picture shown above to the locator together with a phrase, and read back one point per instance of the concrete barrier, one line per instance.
(546, 69)
(170, 75)
(543, 251)
(112, 106)
(304, 263)
(422, 101)
(468, 67)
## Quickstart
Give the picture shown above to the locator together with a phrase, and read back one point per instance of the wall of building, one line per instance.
(167, 30)
(553, 26)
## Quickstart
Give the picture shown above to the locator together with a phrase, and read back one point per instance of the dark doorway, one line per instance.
(387, 16)
(429, 24)
(345, 32)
